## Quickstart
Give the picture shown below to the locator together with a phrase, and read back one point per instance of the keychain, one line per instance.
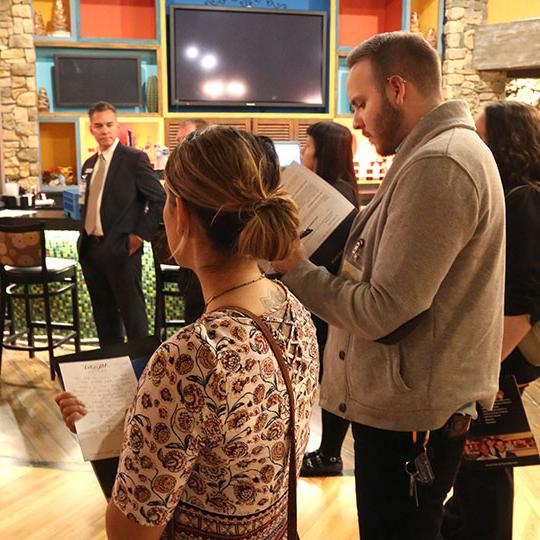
(419, 469)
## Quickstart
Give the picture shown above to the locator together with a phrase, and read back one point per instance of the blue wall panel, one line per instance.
(45, 63)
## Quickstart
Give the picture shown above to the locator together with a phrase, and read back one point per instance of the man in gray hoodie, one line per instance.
(415, 313)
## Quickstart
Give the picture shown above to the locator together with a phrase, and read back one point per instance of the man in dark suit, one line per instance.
(123, 206)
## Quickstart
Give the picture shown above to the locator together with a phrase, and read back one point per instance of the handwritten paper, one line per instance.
(107, 388)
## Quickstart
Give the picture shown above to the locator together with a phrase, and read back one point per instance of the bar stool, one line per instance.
(167, 273)
(24, 265)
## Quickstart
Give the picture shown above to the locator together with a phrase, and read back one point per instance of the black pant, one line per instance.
(115, 288)
(334, 429)
(386, 511)
(481, 507)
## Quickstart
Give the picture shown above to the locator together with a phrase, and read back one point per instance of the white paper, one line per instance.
(16, 213)
(107, 388)
(322, 207)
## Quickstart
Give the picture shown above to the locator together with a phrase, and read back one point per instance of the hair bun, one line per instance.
(272, 227)
(273, 200)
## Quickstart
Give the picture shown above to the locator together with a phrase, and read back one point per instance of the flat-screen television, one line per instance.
(80, 80)
(247, 57)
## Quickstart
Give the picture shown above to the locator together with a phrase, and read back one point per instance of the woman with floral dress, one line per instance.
(206, 438)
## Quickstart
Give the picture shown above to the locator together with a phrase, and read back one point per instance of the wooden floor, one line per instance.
(48, 493)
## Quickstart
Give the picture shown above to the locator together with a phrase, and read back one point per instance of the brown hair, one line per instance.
(513, 136)
(401, 53)
(334, 152)
(100, 106)
(220, 174)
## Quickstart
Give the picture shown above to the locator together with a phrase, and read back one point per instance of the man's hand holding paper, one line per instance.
(322, 210)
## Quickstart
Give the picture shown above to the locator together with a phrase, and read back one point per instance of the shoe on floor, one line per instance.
(315, 464)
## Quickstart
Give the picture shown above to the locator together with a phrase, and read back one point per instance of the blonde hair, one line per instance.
(220, 174)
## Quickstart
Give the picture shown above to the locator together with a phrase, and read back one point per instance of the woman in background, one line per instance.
(328, 152)
(206, 438)
(482, 504)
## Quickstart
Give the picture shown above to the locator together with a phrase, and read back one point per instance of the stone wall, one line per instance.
(18, 92)
(460, 80)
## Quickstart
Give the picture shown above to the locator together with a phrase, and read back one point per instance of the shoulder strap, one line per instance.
(292, 529)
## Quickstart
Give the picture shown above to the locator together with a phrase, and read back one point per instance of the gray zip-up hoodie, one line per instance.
(423, 268)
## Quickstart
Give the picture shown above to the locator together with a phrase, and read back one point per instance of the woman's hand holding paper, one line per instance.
(72, 409)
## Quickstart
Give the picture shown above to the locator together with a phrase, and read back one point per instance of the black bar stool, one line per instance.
(25, 265)
(168, 276)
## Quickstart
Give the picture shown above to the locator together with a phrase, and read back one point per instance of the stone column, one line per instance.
(18, 96)
(460, 80)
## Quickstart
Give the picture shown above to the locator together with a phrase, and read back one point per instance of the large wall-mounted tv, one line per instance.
(80, 80)
(247, 57)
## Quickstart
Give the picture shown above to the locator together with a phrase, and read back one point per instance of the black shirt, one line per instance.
(522, 285)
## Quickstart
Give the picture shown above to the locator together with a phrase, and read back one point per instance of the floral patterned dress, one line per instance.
(206, 437)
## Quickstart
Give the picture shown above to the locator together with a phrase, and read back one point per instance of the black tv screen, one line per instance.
(80, 80)
(247, 57)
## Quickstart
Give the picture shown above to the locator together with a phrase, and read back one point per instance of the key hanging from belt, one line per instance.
(419, 469)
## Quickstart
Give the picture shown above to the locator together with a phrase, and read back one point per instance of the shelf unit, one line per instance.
(131, 21)
(59, 143)
(98, 28)
(358, 20)
(119, 19)
(122, 27)
(146, 131)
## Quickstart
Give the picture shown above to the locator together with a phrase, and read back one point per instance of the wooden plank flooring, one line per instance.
(48, 493)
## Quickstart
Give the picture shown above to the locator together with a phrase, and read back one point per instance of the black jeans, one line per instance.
(334, 430)
(386, 511)
(481, 507)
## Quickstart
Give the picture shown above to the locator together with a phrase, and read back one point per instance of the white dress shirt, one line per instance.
(107, 156)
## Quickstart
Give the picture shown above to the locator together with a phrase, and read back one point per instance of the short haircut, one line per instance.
(199, 123)
(101, 106)
(401, 53)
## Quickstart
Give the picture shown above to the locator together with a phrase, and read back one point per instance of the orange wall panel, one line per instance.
(118, 19)
(359, 21)
(394, 9)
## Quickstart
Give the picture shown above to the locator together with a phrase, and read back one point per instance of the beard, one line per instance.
(389, 121)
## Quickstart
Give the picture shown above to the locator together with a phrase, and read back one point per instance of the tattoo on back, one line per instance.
(273, 299)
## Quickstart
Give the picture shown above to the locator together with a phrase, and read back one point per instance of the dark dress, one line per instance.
(334, 428)
(482, 505)
(332, 265)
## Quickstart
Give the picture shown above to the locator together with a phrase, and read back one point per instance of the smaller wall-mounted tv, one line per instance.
(247, 57)
(82, 80)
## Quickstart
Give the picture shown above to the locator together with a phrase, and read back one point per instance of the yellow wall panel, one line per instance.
(502, 11)
(45, 7)
(147, 131)
(428, 14)
(58, 146)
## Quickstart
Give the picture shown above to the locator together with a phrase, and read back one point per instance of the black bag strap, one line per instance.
(292, 528)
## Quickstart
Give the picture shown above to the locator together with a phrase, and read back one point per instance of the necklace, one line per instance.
(233, 288)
